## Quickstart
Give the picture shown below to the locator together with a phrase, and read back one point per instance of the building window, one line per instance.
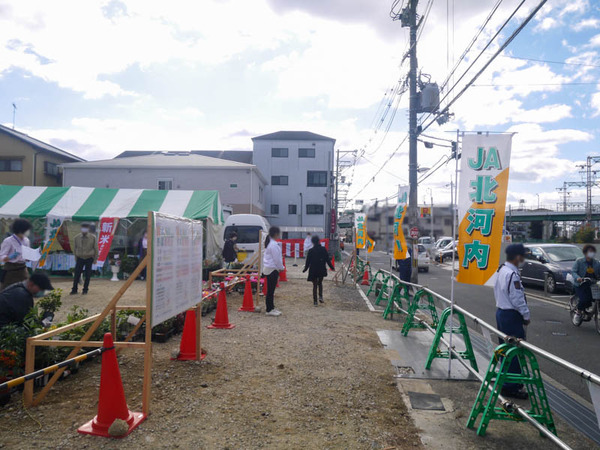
(11, 165)
(317, 178)
(260, 194)
(279, 180)
(314, 209)
(50, 168)
(233, 185)
(165, 184)
(292, 209)
(447, 222)
(274, 209)
(306, 153)
(279, 152)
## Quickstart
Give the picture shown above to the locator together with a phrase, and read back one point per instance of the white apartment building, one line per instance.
(298, 167)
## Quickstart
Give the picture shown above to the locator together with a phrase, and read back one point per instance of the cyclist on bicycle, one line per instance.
(585, 267)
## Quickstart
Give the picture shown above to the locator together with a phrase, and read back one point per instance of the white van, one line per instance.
(247, 227)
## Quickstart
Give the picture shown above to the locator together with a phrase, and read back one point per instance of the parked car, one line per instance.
(423, 259)
(426, 241)
(555, 259)
(445, 253)
(247, 227)
(439, 244)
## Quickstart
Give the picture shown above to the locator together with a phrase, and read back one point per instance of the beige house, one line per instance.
(25, 161)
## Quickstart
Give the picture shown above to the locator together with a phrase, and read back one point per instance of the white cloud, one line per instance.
(584, 24)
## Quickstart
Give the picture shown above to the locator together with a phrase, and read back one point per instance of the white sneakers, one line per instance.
(274, 312)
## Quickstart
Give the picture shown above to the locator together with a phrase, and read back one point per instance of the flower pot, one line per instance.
(115, 271)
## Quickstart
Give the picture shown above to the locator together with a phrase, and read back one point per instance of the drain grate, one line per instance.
(559, 333)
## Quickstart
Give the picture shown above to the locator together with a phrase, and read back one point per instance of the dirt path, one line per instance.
(313, 378)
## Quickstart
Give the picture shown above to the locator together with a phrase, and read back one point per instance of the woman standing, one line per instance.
(586, 267)
(272, 264)
(316, 262)
(12, 255)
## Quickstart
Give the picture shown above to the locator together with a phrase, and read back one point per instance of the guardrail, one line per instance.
(579, 371)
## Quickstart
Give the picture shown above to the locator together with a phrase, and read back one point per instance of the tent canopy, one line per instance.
(82, 203)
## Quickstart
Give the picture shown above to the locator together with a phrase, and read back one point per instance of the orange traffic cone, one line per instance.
(111, 404)
(283, 275)
(248, 302)
(264, 291)
(221, 317)
(187, 347)
(365, 280)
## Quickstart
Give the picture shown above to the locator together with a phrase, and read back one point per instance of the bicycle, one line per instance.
(593, 311)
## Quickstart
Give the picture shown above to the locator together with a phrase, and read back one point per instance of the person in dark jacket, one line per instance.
(230, 249)
(316, 262)
(17, 299)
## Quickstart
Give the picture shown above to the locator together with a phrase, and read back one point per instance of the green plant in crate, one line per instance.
(51, 302)
(128, 264)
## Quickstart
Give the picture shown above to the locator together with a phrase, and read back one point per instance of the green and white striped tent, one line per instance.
(90, 204)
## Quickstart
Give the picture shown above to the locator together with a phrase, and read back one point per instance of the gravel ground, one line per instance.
(313, 377)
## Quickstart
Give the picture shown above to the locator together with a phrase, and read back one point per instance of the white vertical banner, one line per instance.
(483, 187)
(297, 249)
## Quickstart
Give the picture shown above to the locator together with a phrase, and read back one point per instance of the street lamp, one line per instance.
(423, 169)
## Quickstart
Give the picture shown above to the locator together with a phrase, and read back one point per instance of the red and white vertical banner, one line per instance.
(108, 226)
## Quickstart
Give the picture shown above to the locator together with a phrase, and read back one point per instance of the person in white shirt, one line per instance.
(272, 265)
(11, 254)
(307, 244)
(512, 313)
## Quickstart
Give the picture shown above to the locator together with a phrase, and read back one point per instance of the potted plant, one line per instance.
(209, 264)
(128, 265)
(48, 305)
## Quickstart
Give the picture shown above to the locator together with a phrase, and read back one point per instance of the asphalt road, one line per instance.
(550, 326)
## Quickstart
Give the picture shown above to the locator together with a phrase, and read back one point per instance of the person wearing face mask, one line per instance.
(17, 299)
(14, 269)
(512, 312)
(585, 267)
(85, 250)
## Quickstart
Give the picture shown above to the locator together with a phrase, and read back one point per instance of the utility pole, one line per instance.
(387, 227)
(431, 212)
(564, 193)
(410, 19)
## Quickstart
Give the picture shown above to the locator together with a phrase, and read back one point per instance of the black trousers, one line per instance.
(510, 321)
(317, 285)
(271, 285)
(83, 266)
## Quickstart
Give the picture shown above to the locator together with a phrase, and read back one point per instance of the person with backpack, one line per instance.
(316, 261)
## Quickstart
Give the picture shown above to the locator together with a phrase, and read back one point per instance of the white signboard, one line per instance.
(176, 266)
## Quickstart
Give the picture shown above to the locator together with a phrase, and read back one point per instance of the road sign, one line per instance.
(414, 233)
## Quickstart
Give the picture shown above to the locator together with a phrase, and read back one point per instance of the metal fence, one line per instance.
(578, 371)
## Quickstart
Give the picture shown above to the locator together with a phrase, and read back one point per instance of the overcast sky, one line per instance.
(100, 77)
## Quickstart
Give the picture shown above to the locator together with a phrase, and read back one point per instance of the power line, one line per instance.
(470, 46)
(569, 83)
(564, 63)
(486, 65)
(448, 91)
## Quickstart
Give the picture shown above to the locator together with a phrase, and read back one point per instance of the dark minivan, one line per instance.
(556, 259)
